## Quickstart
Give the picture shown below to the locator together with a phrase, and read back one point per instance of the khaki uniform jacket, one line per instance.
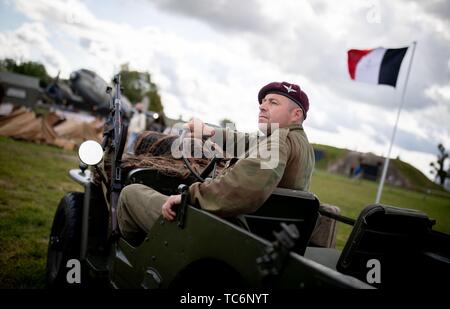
(245, 186)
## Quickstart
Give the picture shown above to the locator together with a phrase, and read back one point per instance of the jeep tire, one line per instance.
(64, 242)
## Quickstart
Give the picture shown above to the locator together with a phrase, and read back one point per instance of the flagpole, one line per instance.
(402, 100)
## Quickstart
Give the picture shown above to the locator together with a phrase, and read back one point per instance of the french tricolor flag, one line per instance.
(375, 66)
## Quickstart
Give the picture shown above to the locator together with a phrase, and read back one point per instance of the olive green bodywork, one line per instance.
(208, 240)
(207, 251)
(255, 250)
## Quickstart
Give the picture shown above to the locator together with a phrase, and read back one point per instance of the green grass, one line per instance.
(33, 178)
(330, 155)
(418, 180)
(353, 195)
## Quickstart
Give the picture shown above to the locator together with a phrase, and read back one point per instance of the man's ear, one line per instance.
(302, 115)
(298, 114)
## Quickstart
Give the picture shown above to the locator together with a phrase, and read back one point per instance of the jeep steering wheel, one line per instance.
(206, 171)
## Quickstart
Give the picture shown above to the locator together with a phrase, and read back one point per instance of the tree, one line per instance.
(439, 165)
(29, 68)
(155, 99)
(137, 85)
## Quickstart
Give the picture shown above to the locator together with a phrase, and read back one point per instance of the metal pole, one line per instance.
(402, 100)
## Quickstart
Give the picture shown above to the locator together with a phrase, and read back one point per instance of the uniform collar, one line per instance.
(291, 127)
(294, 126)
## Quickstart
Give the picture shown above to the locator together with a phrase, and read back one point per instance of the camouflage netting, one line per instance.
(168, 165)
(146, 140)
(153, 151)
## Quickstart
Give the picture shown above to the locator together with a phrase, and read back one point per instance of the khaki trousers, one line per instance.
(139, 207)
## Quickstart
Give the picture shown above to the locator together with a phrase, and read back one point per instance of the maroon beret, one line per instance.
(292, 91)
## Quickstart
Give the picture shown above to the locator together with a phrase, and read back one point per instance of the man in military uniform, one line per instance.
(246, 184)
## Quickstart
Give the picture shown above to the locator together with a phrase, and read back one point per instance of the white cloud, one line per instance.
(31, 40)
(217, 73)
(439, 93)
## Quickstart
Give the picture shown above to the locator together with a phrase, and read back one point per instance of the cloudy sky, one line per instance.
(210, 58)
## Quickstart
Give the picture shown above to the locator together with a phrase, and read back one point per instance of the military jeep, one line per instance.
(271, 248)
(388, 246)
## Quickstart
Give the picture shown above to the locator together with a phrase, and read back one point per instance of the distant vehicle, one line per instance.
(19, 89)
(61, 94)
(84, 91)
(92, 88)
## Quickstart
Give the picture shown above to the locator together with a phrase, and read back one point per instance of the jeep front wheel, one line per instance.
(65, 237)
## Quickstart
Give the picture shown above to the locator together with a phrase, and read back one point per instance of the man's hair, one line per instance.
(293, 106)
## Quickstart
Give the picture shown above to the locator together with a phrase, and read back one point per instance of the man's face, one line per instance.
(276, 108)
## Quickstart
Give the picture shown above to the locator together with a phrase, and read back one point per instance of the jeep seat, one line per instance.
(401, 240)
(288, 206)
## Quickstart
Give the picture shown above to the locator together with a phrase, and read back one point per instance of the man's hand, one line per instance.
(167, 208)
(199, 129)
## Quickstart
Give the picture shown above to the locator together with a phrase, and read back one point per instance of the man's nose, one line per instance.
(262, 106)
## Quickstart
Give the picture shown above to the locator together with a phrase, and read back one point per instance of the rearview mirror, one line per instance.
(90, 152)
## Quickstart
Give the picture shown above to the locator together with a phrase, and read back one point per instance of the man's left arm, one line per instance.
(248, 184)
